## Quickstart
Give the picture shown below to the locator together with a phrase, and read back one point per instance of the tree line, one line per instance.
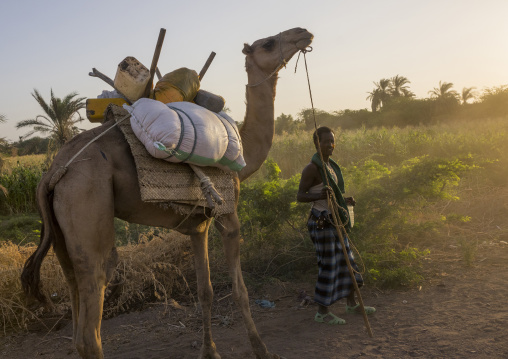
(394, 104)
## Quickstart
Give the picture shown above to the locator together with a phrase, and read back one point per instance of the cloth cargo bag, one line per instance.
(186, 132)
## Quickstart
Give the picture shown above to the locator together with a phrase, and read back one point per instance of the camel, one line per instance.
(77, 213)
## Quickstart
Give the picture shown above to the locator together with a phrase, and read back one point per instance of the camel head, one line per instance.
(270, 54)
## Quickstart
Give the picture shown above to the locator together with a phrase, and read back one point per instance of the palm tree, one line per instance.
(468, 93)
(444, 91)
(380, 94)
(59, 120)
(3, 141)
(399, 87)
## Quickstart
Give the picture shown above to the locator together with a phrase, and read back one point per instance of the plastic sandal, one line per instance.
(357, 310)
(321, 318)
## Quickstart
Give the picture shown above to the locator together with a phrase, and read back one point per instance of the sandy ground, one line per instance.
(458, 312)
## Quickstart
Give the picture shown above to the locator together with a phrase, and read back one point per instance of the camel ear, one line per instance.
(247, 49)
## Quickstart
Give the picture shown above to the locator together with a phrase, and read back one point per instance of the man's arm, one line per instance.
(310, 177)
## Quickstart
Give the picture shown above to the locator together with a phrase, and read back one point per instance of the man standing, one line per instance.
(334, 280)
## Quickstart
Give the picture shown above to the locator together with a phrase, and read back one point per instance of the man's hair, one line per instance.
(317, 134)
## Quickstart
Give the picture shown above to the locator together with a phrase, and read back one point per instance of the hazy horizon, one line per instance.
(53, 45)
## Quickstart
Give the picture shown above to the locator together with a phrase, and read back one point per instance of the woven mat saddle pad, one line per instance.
(162, 181)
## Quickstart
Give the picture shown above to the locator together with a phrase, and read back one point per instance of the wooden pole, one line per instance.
(339, 228)
(207, 65)
(155, 59)
(337, 223)
(100, 75)
(207, 187)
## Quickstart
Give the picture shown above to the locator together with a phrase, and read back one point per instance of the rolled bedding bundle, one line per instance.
(186, 132)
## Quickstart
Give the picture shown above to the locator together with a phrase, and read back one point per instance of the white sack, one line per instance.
(186, 132)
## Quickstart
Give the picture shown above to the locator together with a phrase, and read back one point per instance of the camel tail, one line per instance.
(31, 275)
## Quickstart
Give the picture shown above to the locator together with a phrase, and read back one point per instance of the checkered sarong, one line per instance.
(334, 281)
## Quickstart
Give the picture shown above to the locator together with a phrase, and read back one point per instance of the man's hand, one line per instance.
(350, 201)
(325, 191)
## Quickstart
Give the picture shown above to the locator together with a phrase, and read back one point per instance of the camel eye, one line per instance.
(268, 45)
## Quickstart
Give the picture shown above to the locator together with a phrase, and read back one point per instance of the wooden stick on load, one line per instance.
(155, 59)
(207, 65)
(97, 73)
(207, 187)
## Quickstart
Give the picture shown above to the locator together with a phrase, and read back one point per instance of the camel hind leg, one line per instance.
(229, 227)
(68, 271)
(88, 232)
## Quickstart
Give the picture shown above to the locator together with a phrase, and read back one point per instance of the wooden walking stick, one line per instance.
(339, 227)
(333, 208)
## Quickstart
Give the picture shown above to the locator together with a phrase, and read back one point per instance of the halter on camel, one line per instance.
(282, 63)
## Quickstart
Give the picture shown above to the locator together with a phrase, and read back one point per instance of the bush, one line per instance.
(395, 211)
(32, 146)
(400, 177)
(273, 226)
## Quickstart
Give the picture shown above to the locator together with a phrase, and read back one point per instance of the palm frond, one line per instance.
(28, 134)
(61, 116)
(399, 86)
(444, 91)
(468, 93)
(40, 100)
(30, 122)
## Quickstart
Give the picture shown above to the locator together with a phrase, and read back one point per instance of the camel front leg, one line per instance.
(205, 290)
(229, 227)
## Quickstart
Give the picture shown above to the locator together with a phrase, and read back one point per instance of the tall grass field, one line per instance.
(418, 189)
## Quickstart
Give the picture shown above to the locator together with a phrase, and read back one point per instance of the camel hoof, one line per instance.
(209, 353)
(211, 356)
(274, 356)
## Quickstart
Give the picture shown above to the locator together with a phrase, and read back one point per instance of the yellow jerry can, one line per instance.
(95, 107)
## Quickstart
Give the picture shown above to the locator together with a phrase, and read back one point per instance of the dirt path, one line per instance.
(459, 312)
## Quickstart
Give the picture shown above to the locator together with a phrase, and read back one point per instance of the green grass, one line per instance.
(20, 184)
(406, 183)
(20, 228)
(411, 185)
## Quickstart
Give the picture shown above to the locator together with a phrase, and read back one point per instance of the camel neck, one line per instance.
(258, 127)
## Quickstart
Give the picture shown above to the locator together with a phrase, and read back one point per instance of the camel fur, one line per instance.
(102, 183)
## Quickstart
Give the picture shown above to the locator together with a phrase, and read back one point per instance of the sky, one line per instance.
(54, 44)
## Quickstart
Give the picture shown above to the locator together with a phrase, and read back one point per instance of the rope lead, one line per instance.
(333, 206)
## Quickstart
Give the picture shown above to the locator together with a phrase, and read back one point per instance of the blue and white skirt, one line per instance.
(334, 281)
